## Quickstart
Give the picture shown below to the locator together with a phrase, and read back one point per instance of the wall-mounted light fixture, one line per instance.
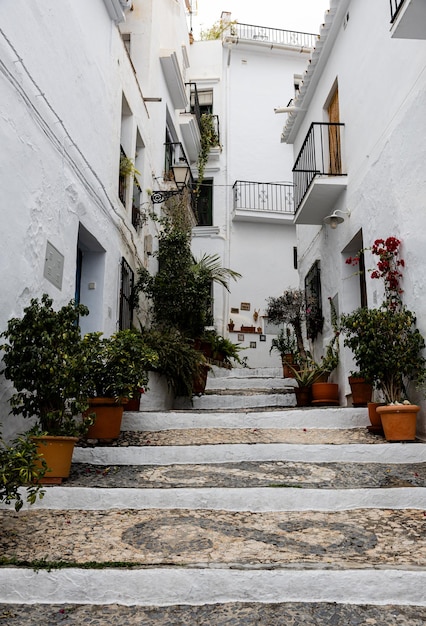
(179, 171)
(334, 219)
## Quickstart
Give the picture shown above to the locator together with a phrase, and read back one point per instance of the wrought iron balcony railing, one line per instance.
(395, 7)
(252, 196)
(320, 155)
(272, 35)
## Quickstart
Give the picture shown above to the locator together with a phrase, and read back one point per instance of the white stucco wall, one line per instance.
(382, 92)
(63, 76)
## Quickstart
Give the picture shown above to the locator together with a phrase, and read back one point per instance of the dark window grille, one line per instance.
(314, 316)
(122, 180)
(204, 202)
(126, 289)
(136, 203)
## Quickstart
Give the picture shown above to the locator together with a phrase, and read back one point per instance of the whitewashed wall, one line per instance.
(382, 94)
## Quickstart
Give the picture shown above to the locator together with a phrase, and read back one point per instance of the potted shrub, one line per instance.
(290, 308)
(361, 389)
(387, 346)
(285, 345)
(325, 392)
(118, 367)
(177, 360)
(44, 357)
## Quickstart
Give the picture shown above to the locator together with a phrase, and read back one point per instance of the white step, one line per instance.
(327, 417)
(229, 402)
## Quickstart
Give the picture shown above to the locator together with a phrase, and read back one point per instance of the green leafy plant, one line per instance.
(178, 361)
(180, 292)
(387, 349)
(216, 31)
(44, 357)
(285, 343)
(222, 349)
(289, 309)
(118, 365)
(20, 466)
(209, 139)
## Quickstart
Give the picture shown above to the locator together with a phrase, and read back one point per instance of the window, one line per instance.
(204, 201)
(205, 100)
(314, 317)
(126, 288)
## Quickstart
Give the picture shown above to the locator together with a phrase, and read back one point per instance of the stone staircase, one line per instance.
(239, 509)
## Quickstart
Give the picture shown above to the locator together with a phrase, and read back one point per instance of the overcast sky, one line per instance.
(299, 15)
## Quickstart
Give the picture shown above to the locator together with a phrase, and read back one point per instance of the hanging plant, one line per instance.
(209, 138)
(127, 167)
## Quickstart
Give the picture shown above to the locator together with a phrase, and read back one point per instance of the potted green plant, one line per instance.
(285, 344)
(178, 361)
(45, 359)
(305, 376)
(118, 367)
(325, 392)
(289, 308)
(387, 346)
(20, 466)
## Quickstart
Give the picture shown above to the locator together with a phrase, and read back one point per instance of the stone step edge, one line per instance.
(289, 418)
(393, 453)
(171, 586)
(255, 499)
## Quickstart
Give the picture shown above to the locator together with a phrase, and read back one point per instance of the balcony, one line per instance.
(318, 173)
(408, 19)
(273, 37)
(263, 202)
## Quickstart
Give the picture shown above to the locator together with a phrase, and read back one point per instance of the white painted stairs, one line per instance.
(248, 405)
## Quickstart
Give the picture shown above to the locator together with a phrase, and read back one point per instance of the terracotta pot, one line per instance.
(361, 391)
(200, 380)
(57, 452)
(303, 396)
(109, 414)
(374, 417)
(133, 404)
(399, 421)
(325, 394)
(287, 371)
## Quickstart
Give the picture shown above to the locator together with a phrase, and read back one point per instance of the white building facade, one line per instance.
(246, 75)
(364, 91)
(84, 85)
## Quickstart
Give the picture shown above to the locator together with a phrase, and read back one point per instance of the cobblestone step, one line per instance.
(364, 538)
(242, 613)
(250, 474)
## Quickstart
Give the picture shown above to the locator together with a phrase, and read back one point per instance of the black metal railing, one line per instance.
(395, 7)
(320, 155)
(272, 35)
(194, 102)
(253, 196)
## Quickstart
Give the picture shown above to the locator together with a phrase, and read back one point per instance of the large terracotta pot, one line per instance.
(325, 394)
(361, 391)
(200, 380)
(376, 423)
(109, 414)
(57, 452)
(287, 371)
(303, 396)
(133, 404)
(399, 421)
